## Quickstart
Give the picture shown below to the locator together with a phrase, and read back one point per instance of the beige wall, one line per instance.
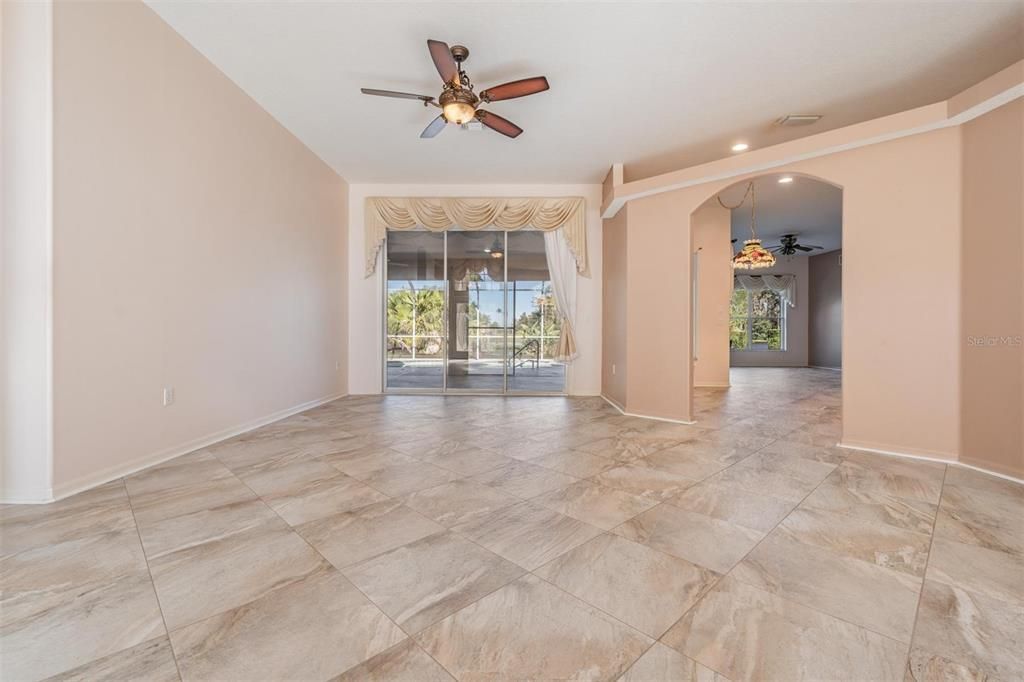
(795, 354)
(613, 296)
(197, 244)
(825, 316)
(991, 354)
(905, 193)
(711, 241)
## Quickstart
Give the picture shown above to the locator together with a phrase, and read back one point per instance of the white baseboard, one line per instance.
(926, 458)
(36, 496)
(127, 468)
(713, 385)
(643, 416)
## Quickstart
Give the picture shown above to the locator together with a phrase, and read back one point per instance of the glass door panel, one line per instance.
(476, 311)
(536, 324)
(415, 311)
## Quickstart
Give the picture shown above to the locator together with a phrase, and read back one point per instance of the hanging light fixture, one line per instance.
(753, 254)
(495, 250)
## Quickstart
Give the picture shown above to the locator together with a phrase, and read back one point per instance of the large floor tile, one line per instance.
(525, 479)
(204, 579)
(910, 479)
(872, 506)
(645, 479)
(420, 583)
(595, 504)
(527, 534)
(574, 463)
(465, 460)
(646, 589)
(188, 530)
(310, 630)
(101, 510)
(740, 507)
(749, 634)
(309, 489)
(404, 662)
(182, 486)
(354, 536)
(996, 574)
(926, 666)
(64, 605)
(661, 663)
(863, 593)
(458, 502)
(532, 630)
(402, 477)
(880, 544)
(152, 661)
(703, 540)
(974, 630)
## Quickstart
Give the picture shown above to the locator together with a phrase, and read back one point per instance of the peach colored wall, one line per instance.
(901, 322)
(197, 244)
(992, 357)
(613, 297)
(711, 240)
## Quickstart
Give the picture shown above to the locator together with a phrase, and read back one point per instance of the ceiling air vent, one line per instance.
(798, 120)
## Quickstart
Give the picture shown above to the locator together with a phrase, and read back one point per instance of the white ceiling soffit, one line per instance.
(660, 86)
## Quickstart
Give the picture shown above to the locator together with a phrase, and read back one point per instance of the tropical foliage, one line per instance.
(761, 313)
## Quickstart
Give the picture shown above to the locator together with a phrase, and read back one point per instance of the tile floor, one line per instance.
(425, 538)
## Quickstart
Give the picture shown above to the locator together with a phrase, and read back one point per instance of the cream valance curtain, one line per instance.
(503, 213)
(783, 285)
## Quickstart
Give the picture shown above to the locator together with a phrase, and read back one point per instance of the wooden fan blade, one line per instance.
(495, 122)
(801, 247)
(443, 60)
(392, 93)
(519, 88)
(435, 127)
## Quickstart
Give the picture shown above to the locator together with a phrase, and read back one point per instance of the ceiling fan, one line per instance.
(789, 246)
(457, 101)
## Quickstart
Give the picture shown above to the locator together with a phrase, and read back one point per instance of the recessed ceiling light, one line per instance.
(786, 179)
(740, 147)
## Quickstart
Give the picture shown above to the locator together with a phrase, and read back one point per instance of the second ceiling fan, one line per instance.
(457, 101)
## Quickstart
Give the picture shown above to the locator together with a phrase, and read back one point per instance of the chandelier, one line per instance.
(753, 254)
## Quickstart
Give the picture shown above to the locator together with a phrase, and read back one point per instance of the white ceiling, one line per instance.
(805, 207)
(657, 86)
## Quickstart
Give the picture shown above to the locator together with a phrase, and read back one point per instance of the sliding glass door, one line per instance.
(470, 311)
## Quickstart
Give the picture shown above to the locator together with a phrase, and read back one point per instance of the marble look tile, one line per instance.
(645, 589)
(749, 510)
(182, 486)
(595, 504)
(468, 461)
(188, 530)
(925, 666)
(661, 663)
(220, 574)
(532, 630)
(312, 629)
(404, 662)
(872, 506)
(750, 634)
(974, 630)
(829, 454)
(152, 661)
(996, 574)
(685, 463)
(877, 598)
(101, 510)
(644, 479)
(527, 534)
(998, 533)
(458, 502)
(524, 479)
(403, 477)
(911, 479)
(703, 540)
(574, 463)
(880, 544)
(76, 601)
(309, 489)
(187, 470)
(760, 477)
(427, 580)
(354, 536)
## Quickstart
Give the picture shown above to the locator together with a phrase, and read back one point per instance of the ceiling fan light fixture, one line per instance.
(458, 105)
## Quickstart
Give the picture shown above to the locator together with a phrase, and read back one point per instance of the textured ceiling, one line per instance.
(657, 86)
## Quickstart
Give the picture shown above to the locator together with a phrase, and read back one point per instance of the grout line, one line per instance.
(924, 574)
(152, 583)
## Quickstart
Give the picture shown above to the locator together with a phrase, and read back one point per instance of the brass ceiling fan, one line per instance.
(457, 101)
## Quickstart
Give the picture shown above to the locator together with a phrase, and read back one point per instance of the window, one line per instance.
(757, 320)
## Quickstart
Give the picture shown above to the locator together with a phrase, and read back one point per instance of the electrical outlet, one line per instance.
(613, 370)
(168, 395)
